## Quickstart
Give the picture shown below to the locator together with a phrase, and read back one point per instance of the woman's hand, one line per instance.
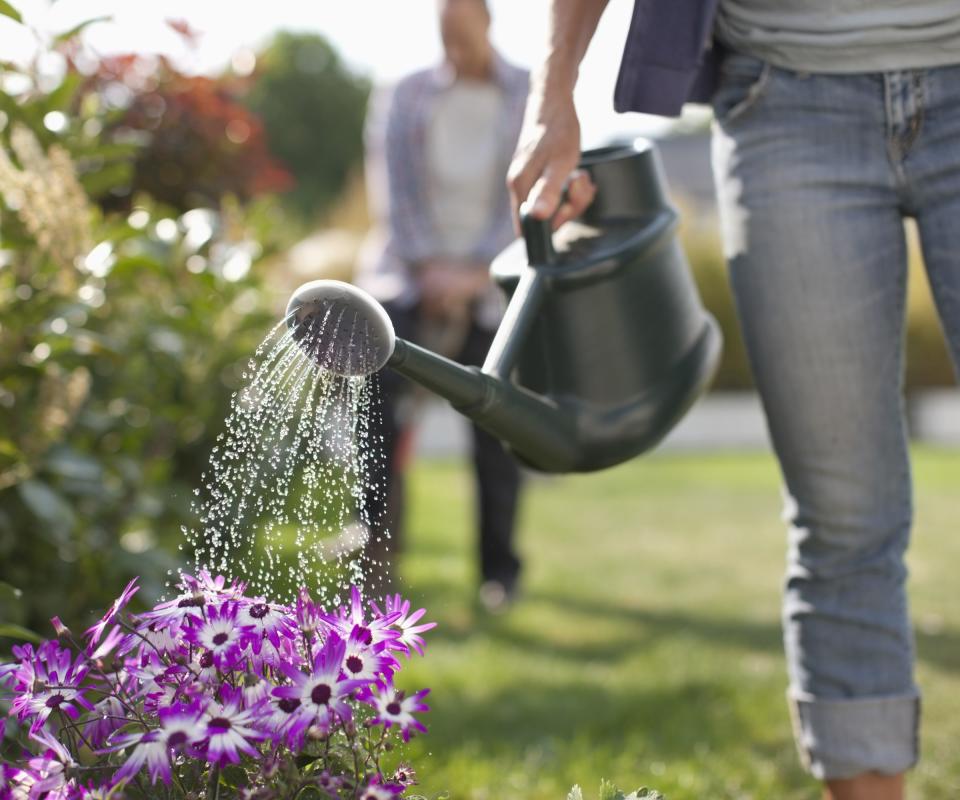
(543, 173)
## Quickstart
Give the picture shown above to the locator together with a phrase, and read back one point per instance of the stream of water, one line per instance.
(282, 504)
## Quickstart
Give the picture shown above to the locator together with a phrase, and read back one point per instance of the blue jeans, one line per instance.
(815, 176)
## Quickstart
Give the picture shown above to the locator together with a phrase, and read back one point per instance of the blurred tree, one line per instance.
(197, 143)
(312, 107)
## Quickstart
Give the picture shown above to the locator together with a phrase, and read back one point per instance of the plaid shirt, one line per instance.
(396, 162)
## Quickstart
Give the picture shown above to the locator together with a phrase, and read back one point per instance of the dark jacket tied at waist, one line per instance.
(669, 58)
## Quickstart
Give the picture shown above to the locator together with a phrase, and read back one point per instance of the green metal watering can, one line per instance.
(604, 345)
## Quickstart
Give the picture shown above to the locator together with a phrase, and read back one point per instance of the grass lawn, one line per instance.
(646, 647)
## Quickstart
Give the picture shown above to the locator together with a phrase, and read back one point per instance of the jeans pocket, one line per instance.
(743, 83)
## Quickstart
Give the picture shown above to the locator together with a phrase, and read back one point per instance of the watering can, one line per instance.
(604, 344)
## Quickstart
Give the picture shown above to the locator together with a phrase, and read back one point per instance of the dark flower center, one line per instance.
(393, 708)
(219, 724)
(206, 660)
(364, 635)
(190, 602)
(354, 664)
(220, 638)
(259, 611)
(176, 739)
(288, 705)
(55, 701)
(321, 694)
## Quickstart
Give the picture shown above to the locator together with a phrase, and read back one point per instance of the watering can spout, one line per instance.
(344, 330)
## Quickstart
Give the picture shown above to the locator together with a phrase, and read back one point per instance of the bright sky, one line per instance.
(382, 38)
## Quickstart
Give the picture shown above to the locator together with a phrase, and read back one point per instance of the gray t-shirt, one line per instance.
(843, 35)
(464, 169)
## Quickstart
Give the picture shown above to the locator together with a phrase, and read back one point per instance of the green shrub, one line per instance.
(122, 339)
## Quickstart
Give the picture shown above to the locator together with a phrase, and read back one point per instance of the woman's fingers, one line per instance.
(579, 194)
(547, 193)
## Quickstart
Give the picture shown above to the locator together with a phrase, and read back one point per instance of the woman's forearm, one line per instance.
(549, 147)
(572, 25)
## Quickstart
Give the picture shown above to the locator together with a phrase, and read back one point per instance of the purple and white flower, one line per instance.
(46, 774)
(393, 708)
(311, 619)
(409, 631)
(375, 790)
(265, 621)
(322, 692)
(94, 633)
(278, 717)
(198, 593)
(115, 641)
(214, 589)
(49, 681)
(375, 630)
(107, 716)
(218, 632)
(208, 679)
(366, 662)
(181, 729)
(231, 729)
(15, 783)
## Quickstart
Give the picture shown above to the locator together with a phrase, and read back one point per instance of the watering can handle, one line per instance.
(527, 296)
(538, 237)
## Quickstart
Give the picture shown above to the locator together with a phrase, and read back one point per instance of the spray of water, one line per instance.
(282, 504)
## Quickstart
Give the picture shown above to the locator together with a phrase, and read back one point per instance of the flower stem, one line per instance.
(213, 789)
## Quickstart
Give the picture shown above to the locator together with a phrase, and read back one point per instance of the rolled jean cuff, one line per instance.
(842, 738)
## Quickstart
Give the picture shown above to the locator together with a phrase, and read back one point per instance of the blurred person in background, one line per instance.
(438, 147)
(834, 121)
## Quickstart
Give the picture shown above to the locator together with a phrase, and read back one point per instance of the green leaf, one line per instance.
(234, 777)
(77, 29)
(62, 97)
(11, 631)
(8, 10)
(304, 760)
(576, 793)
(110, 176)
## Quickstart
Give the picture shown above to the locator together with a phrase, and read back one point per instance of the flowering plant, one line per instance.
(214, 694)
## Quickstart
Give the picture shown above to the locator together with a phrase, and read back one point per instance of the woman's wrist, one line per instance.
(556, 76)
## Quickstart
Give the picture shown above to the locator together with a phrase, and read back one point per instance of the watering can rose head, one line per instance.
(212, 679)
(341, 327)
